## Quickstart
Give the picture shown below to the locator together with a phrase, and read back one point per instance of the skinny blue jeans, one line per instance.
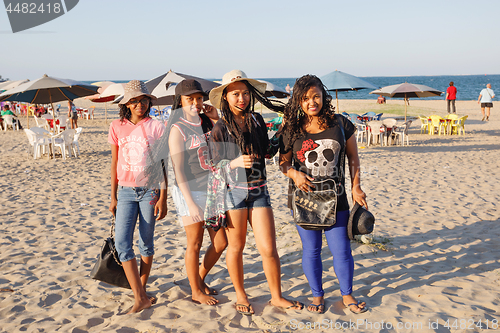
(133, 203)
(340, 247)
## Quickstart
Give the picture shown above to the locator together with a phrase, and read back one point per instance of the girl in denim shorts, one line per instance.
(130, 137)
(240, 142)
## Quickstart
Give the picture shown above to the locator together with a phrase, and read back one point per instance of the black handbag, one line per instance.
(108, 267)
(315, 210)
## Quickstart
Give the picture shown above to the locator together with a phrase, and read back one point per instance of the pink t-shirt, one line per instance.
(132, 148)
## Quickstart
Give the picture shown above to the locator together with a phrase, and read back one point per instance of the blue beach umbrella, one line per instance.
(340, 81)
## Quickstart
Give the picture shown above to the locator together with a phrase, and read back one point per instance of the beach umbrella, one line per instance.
(47, 90)
(7, 85)
(109, 94)
(407, 90)
(273, 90)
(340, 81)
(160, 84)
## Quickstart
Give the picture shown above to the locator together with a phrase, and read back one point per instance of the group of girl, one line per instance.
(227, 156)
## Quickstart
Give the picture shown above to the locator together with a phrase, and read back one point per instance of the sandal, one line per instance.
(319, 308)
(361, 310)
(247, 307)
(295, 304)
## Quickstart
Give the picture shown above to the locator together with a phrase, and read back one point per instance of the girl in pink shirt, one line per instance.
(130, 138)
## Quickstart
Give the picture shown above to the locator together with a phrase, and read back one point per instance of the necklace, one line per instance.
(240, 121)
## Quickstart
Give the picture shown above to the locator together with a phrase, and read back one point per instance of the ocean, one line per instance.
(468, 86)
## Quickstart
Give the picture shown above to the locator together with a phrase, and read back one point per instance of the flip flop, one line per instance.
(247, 307)
(293, 306)
(317, 307)
(361, 310)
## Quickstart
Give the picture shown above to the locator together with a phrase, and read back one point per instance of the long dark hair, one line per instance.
(295, 117)
(235, 130)
(126, 114)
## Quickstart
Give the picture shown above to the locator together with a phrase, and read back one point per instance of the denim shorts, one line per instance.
(245, 196)
(199, 197)
(135, 203)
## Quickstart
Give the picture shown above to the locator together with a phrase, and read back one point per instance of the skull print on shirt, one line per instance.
(320, 156)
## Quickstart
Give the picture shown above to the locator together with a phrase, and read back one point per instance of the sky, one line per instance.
(127, 39)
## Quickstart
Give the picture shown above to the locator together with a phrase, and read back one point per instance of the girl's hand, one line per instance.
(112, 207)
(208, 109)
(303, 181)
(244, 161)
(196, 213)
(360, 197)
(160, 209)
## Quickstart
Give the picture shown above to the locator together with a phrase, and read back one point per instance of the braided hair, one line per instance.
(252, 147)
(295, 117)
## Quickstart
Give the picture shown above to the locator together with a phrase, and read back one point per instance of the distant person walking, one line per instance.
(451, 96)
(486, 99)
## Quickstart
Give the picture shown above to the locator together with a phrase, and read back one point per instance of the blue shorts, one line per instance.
(246, 196)
(199, 197)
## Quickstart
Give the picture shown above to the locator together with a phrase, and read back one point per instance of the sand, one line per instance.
(434, 258)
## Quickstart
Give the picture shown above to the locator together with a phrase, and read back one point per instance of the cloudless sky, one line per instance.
(131, 39)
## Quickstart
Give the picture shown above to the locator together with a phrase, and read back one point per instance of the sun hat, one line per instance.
(133, 89)
(227, 79)
(189, 87)
(360, 221)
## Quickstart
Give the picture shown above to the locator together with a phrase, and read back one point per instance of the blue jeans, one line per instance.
(340, 247)
(133, 203)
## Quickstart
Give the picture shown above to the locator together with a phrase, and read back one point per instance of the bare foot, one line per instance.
(286, 304)
(201, 298)
(207, 289)
(144, 303)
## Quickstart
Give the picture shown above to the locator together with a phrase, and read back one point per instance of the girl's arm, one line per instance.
(354, 168)
(176, 144)
(114, 179)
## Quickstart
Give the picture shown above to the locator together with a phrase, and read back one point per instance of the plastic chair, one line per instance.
(424, 124)
(75, 146)
(401, 132)
(63, 123)
(459, 126)
(361, 133)
(64, 141)
(375, 131)
(88, 113)
(379, 116)
(38, 140)
(437, 123)
(354, 118)
(8, 120)
(389, 125)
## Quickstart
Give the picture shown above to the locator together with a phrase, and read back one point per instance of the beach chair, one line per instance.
(374, 131)
(63, 123)
(401, 132)
(88, 113)
(437, 123)
(354, 118)
(8, 120)
(458, 126)
(389, 127)
(75, 146)
(379, 116)
(64, 141)
(424, 124)
(361, 132)
(38, 141)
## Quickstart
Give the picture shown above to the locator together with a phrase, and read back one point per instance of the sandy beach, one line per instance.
(434, 258)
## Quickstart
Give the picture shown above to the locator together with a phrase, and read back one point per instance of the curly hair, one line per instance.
(126, 114)
(233, 127)
(295, 117)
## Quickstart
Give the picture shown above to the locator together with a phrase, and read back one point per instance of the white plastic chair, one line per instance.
(63, 123)
(374, 131)
(64, 141)
(75, 146)
(38, 141)
(389, 123)
(401, 133)
(361, 133)
(88, 113)
(42, 123)
(10, 121)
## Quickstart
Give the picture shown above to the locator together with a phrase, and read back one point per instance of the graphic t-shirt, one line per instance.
(320, 155)
(133, 148)
(195, 151)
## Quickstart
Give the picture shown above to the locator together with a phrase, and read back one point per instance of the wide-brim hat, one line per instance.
(133, 89)
(230, 77)
(188, 87)
(360, 222)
